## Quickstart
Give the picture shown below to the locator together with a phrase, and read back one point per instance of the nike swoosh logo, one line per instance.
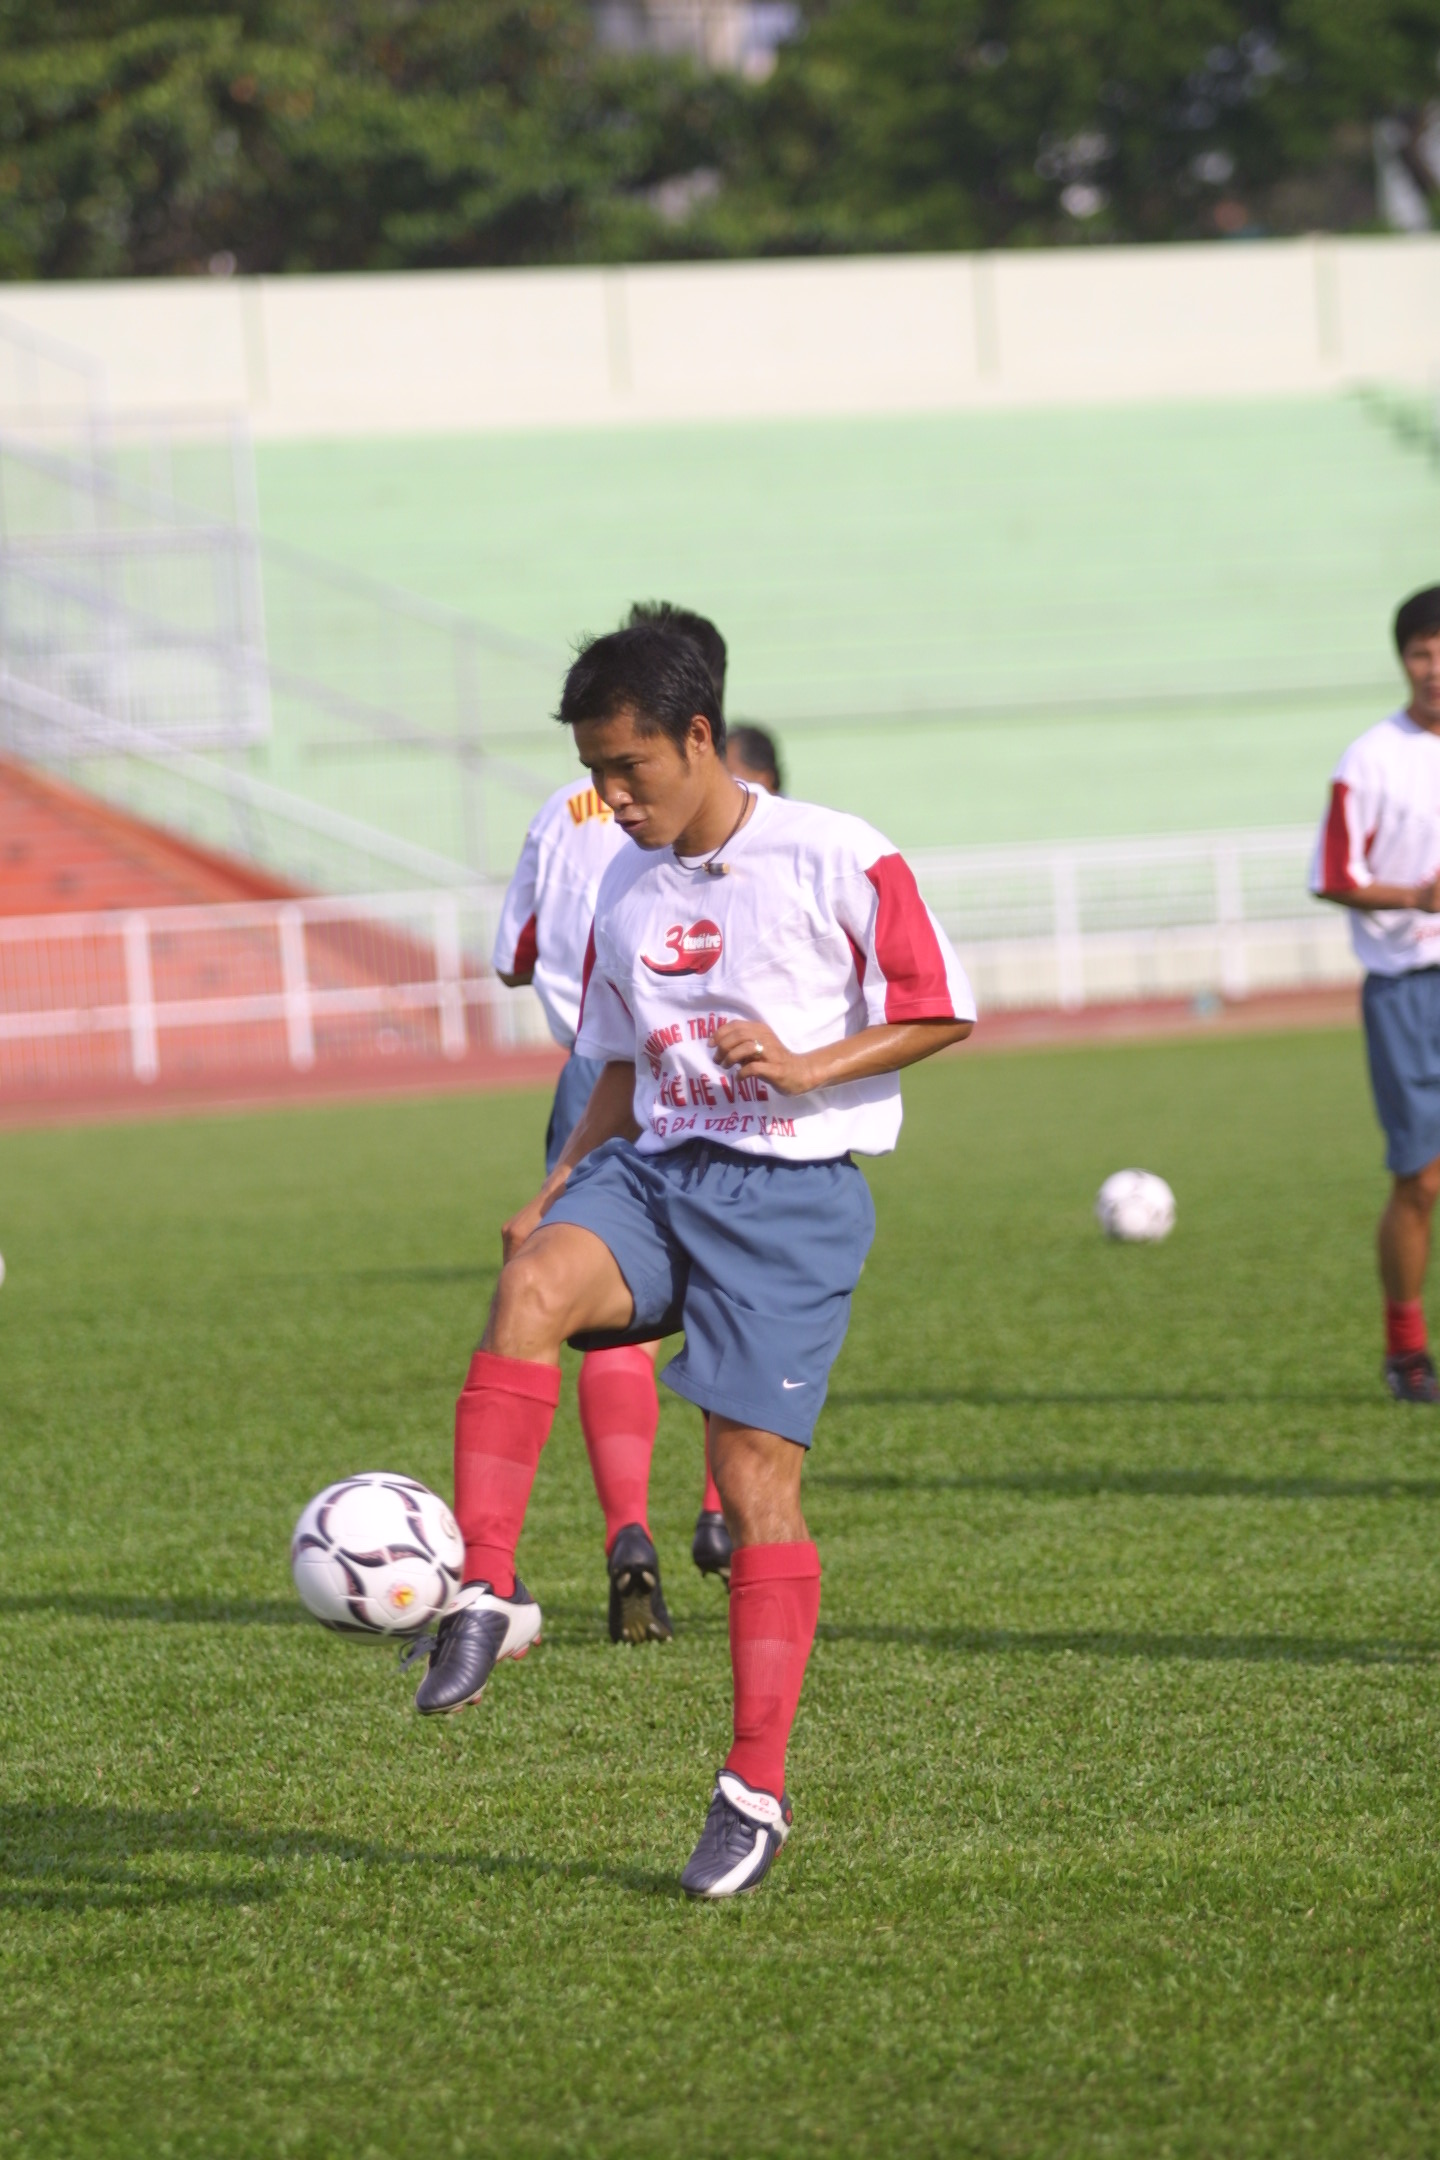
(792, 1383)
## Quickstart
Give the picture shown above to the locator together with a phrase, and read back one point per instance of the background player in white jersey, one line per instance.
(759, 972)
(1378, 854)
(540, 940)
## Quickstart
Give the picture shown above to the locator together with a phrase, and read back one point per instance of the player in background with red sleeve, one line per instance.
(1378, 854)
(759, 971)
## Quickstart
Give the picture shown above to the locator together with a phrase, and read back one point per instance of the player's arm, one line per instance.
(1425, 898)
(1341, 870)
(750, 1047)
(609, 1115)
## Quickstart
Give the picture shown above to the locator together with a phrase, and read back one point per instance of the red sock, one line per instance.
(774, 1604)
(711, 1501)
(1404, 1326)
(502, 1421)
(619, 1412)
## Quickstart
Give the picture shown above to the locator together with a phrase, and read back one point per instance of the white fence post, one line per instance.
(1230, 915)
(1069, 952)
(447, 976)
(140, 999)
(295, 983)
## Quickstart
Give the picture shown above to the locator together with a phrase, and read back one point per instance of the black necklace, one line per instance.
(710, 867)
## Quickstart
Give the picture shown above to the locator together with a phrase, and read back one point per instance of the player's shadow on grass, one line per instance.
(1158, 1484)
(171, 1611)
(60, 1857)
(1141, 1645)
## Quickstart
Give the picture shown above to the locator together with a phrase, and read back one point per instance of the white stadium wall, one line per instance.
(443, 350)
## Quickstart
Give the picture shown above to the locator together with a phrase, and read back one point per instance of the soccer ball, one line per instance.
(377, 1555)
(1136, 1207)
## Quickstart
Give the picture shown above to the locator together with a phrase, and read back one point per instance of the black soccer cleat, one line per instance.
(637, 1607)
(710, 1548)
(743, 1832)
(479, 1629)
(1412, 1378)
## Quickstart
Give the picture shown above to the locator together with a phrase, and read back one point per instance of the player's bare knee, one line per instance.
(1420, 1189)
(527, 1314)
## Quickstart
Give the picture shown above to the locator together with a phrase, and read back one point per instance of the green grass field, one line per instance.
(1118, 1767)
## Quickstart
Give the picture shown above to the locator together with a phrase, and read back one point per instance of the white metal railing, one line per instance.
(181, 991)
(1101, 921)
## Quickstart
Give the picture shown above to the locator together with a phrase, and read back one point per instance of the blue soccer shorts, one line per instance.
(757, 1259)
(1402, 1036)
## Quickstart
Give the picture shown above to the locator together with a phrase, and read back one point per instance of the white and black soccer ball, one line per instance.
(377, 1554)
(1135, 1206)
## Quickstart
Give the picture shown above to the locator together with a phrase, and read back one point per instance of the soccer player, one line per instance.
(540, 940)
(758, 973)
(1379, 855)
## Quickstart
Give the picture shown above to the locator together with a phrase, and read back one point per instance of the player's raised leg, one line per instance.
(561, 1280)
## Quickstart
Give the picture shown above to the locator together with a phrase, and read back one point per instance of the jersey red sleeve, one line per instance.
(1344, 844)
(907, 951)
(516, 949)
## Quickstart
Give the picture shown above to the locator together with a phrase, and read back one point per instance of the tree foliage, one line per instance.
(962, 123)
(281, 135)
(295, 135)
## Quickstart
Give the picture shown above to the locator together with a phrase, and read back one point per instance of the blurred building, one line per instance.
(737, 37)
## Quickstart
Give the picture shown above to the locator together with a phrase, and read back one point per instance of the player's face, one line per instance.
(1421, 661)
(652, 787)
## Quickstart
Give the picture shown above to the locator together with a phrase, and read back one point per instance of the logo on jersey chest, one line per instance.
(692, 952)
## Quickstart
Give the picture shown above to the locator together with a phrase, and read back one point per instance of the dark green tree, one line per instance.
(291, 135)
(972, 123)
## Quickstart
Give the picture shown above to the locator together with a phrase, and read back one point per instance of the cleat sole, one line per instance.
(638, 1623)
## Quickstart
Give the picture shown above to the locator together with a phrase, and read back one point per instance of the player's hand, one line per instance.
(524, 1225)
(752, 1048)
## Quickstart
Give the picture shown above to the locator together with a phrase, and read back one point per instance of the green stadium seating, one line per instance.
(974, 627)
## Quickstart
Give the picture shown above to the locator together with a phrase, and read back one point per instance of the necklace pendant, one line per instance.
(717, 869)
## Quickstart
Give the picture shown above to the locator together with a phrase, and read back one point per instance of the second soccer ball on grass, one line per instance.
(1136, 1207)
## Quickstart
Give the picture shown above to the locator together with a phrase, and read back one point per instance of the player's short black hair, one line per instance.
(664, 615)
(1419, 616)
(756, 749)
(654, 673)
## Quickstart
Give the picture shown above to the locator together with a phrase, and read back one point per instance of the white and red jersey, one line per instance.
(1383, 825)
(817, 928)
(545, 920)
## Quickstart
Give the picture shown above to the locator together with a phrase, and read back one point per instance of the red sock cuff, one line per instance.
(796, 1562)
(515, 1376)
(1404, 1327)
